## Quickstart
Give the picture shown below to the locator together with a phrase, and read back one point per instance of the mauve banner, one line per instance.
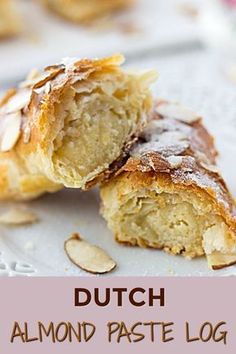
(117, 315)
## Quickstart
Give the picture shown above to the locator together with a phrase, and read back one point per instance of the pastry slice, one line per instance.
(86, 10)
(67, 125)
(169, 194)
(10, 23)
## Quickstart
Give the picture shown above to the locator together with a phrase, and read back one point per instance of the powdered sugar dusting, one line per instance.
(205, 181)
(169, 145)
(165, 136)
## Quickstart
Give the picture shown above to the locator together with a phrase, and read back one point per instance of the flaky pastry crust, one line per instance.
(66, 125)
(169, 194)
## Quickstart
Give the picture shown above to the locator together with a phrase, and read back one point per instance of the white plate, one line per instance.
(195, 79)
(48, 38)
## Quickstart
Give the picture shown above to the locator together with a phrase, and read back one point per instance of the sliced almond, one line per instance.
(6, 97)
(201, 157)
(176, 111)
(11, 131)
(19, 101)
(54, 67)
(47, 76)
(205, 163)
(47, 87)
(218, 260)
(18, 216)
(210, 167)
(88, 257)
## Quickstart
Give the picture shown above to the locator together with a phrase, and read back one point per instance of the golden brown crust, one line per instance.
(26, 155)
(197, 169)
(38, 95)
(178, 157)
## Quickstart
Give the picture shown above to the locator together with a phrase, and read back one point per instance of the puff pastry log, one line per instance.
(169, 194)
(67, 125)
(83, 11)
(10, 23)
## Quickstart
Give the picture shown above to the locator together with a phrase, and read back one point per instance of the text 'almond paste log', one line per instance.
(169, 194)
(67, 125)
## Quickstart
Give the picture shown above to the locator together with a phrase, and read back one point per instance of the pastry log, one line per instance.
(10, 23)
(67, 125)
(169, 194)
(86, 10)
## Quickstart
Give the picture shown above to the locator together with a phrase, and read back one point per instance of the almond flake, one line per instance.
(18, 216)
(19, 101)
(47, 88)
(88, 257)
(205, 163)
(219, 260)
(176, 111)
(39, 90)
(209, 167)
(201, 157)
(11, 132)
